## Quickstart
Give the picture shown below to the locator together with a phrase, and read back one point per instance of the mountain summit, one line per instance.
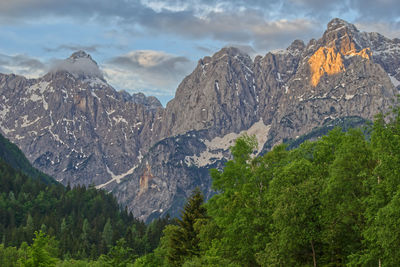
(75, 127)
(80, 65)
(81, 54)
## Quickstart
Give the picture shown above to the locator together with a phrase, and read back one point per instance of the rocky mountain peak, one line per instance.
(231, 52)
(325, 61)
(219, 94)
(296, 47)
(342, 35)
(81, 54)
(148, 101)
(337, 24)
(80, 65)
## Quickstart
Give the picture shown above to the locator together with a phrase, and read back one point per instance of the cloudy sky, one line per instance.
(150, 45)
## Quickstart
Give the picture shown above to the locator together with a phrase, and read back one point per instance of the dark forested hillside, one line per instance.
(78, 223)
(85, 221)
(13, 156)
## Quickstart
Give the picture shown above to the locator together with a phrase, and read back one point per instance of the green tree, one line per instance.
(107, 234)
(120, 255)
(387, 234)
(29, 228)
(63, 235)
(43, 251)
(382, 201)
(183, 240)
(239, 212)
(343, 198)
(85, 237)
(294, 194)
(8, 256)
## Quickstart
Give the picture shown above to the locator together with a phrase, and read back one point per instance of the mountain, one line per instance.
(72, 125)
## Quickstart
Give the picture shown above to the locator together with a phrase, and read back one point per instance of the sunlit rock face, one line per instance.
(72, 125)
(325, 61)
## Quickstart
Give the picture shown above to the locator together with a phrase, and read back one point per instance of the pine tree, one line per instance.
(29, 227)
(85, 237)
(107, 233)
(183, 241)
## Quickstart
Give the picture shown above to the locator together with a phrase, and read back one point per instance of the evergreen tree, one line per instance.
(29, 228)
(85, 238)
(107, 233)
(183, 240)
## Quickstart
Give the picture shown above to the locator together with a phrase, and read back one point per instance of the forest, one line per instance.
(330, 202)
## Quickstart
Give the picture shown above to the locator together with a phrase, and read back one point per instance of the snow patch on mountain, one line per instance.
(217, 147)
(95, 82)
(394, 81)
(26, 122)
(116, 178)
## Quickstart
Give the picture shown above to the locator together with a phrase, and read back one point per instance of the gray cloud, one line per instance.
(147, 10)
(154, 61)
(254, 22)
(204, 49)
(139, 9)
(83, 9)
(376, 10)
(147, 70)
(21, 64)
(242, 27)
(33, 68)
(157, 62)
(73, 47)
(390, 30)
(314, 8)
